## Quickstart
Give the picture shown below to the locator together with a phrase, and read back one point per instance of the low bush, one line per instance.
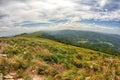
(50, 58)
(20, 72)
(27, 77)
(42, 70)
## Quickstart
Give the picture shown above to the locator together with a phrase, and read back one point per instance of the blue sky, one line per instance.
(112, 23)
(20, 16)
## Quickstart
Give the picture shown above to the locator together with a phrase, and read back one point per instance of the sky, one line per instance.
(22, 16)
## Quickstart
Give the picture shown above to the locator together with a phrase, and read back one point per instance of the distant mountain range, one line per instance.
(108, 43)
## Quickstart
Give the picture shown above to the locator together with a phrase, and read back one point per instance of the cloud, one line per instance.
(19, 15)
(89, 27)
(103, 3)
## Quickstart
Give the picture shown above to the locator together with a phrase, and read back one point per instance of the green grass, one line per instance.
(55, 60)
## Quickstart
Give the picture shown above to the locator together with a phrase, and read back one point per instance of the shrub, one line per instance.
(77, 63)
(22, 64)
(79, 56)
(3, 70)
(12, 51)
(20, 72)
(27, 77)
(28, 56)
(117, 73)
(53, 72)
(4, 66)
(93, 57)
(42, 69)
(69, 75)
(50, 58)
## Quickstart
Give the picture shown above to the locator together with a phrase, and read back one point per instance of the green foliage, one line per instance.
(3, 66)
(27, 77)
(42, 70)
(21, 64)
(29, 55)
(50, 59)
(11, 51)
(3, 70)
(68, 75)
(118, 73)
(79, 56)
(20, 72)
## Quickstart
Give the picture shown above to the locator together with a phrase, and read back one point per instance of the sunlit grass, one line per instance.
(54, 60)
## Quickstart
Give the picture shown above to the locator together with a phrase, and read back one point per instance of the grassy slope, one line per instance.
(28, 55)
(107, 43)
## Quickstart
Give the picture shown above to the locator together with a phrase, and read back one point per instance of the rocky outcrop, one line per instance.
(10, 76)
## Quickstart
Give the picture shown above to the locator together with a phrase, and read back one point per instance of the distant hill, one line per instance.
(29, 56)
(97, 41)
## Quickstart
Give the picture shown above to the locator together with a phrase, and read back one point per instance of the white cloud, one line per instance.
(90, 27)
(14, 12)
(102, 3)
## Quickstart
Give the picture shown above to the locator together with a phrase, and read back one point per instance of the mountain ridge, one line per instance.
(87, 39)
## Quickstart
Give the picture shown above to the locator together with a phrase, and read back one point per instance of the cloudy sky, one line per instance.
(19, 16)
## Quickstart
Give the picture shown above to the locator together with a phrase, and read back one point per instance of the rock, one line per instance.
(91, 66)
(20, 79)
(13, 74)
(87, 78)
(1, 76)
(37, 77)
(109, 60)
(3, 55)
(8, 77)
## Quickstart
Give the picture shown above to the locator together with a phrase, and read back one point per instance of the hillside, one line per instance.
(30, 57)
(107, 43)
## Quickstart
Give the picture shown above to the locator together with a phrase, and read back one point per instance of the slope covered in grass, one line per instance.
(28, 55)
(107, 43)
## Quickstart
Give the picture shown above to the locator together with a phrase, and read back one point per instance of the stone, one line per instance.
(87, 78)
(1, 76)
(8, 77)
(13, 74)
(20, 79)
